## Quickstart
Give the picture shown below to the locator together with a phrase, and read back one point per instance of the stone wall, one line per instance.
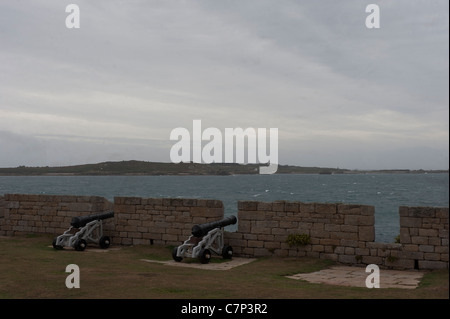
(25, 214)
(2, 213)
(263, 228)
(340, 232)
(343, 233)
(424, 236)
(163, 221)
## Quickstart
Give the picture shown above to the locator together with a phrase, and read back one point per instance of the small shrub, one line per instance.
(298, 240)
(397, 239)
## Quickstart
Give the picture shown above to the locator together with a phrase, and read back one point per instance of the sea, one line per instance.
(386, 192)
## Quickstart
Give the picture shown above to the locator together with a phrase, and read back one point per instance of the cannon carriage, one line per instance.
(206, 239)
(84, 230)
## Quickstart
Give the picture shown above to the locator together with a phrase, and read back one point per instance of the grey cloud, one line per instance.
(137, 69)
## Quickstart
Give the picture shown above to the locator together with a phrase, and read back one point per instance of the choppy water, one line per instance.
(384, 191)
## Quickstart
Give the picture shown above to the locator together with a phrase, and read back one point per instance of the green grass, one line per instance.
(31, 268)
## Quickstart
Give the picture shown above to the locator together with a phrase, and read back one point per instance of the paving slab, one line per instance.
(226, 265)
(356, 277)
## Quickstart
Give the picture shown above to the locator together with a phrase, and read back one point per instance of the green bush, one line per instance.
(298, 240)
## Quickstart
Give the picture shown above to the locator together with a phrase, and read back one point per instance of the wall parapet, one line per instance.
(2, 213)
(344, 233)
(163, 221)
(52, 214)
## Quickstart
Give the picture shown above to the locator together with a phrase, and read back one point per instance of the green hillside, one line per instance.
(156, 168)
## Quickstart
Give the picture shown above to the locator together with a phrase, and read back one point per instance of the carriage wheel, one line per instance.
(227, 252)
(80, 245)
(104, 242)
(205, 256)
(57, 247)
(174, 255)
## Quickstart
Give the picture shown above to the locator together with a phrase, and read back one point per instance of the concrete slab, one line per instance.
(356, 277)
(226, 265)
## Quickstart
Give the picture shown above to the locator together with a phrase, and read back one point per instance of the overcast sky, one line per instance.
(340, 94)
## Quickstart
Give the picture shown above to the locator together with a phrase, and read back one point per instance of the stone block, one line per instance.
(318, 233)
(347, 259)
(306, 208)
(318, 248)
(251, 215)
(403, 211)
(349, 251)
(343, 235)
(405, 237)
(214, 203)
(349, 243)
(442, 212)
(244, 226)
(432, 256)
(261, 230)
(334, 227)
(271, 245)
(410, 222)
(372, 260)
(325, 208)
(411, 255)
(426, 248)
(427, 264)
(366, 233)
(261, 252)
(420, 240)
(347, 228)
(367, 210)
(441, 249)
(287, 224)
(330, 242)
(349, 209)
(362, 251)
(292, 207)
(359, 220)
(170, 237)
(428, 232)
(421, 212)
(250, 236)
(410, 247)
(247, 205)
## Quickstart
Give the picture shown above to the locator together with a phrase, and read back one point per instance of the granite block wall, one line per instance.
(162, 221)
(25, 214)
(341, 232)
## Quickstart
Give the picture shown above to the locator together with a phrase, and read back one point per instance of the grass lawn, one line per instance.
(31, 268)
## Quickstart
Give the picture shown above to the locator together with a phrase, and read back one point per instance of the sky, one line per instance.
(339, 93)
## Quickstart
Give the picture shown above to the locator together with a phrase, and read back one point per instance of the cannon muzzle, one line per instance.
(81, 221)
(203, 229)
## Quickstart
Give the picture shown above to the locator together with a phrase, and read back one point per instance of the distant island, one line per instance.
(158, 168)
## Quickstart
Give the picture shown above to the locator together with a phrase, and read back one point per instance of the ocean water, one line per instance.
(384, 191)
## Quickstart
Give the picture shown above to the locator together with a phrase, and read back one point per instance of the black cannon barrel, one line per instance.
(203, 229)
(81, 221)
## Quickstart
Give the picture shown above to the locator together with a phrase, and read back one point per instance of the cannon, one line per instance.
(206, 239)
(84, 230)
(78, 222)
